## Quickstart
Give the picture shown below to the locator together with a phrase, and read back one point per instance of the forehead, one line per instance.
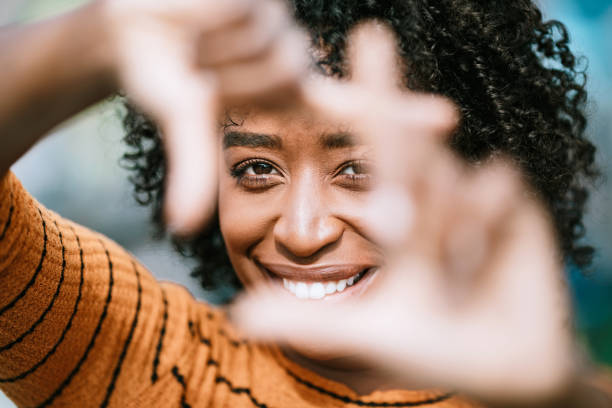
(281, 129)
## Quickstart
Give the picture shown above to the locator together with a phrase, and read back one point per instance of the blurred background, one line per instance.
(75, 171)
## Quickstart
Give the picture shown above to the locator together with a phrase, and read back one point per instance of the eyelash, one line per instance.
(253, 181)
(355, 181)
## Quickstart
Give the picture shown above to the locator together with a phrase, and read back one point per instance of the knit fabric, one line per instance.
(83, 324)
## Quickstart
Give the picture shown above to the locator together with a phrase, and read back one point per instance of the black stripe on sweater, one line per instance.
(126, 345)
(360, 403)
(7, 224)
(54, 348)
(49, 307)
(160, 342)
(36, 272)
(92, 342)
(240, 390)
(181, 380)
(204, 340)
(232, 342)
(76, 303)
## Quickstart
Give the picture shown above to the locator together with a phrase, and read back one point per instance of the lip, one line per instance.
(316, 273)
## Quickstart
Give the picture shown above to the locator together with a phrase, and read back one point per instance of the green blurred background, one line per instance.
(84, 154)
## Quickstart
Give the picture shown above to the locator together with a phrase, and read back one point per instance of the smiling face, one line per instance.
(291, 198)
(291, 202)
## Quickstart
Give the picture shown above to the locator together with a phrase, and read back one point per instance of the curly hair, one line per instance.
(519, 88)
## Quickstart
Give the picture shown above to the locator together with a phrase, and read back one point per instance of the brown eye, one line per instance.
(260, 168)
(355, 168)
(355, 175)
(256, 174)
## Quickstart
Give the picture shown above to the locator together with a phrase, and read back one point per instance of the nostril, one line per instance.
(307, 240)
(300, 254)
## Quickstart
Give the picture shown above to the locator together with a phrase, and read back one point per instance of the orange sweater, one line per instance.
(83, 324)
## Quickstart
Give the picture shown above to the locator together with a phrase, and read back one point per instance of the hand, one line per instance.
(472, 294)
(181, 60)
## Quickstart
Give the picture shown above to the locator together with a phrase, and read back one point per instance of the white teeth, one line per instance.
(301, 290)
(318, 290)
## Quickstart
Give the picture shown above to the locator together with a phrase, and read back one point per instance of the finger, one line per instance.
(494, 191)
(342, 101)
(374, 73)
(438, 179)
(191, 147)
(199, 15)
(462, 210)
(390, 215)
(527, 252)
(183, 102)
(526, 237)
(415, 191)
(266, 316)
(247, 40)
(433, 116)
(373, 58)
(376, 66)
(334, 100)
(374, 76)
(282, 69)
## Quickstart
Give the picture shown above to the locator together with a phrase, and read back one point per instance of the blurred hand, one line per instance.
(180, 60)
(472, 294)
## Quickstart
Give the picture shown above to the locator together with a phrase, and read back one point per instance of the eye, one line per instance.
(260, 168)
(354, 175)
(256, 174)
(355, 168)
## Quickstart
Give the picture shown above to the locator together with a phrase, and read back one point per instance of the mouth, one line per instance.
(317, 283)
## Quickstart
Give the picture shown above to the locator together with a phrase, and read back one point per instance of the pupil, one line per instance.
(262, 168)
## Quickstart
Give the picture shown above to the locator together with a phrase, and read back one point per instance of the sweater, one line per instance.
(84, 324)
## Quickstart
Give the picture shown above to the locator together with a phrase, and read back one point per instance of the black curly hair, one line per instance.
(519, 87)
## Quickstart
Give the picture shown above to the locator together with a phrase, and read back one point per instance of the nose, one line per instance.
(306, 225)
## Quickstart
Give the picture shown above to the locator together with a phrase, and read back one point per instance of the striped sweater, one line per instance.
(83, 324)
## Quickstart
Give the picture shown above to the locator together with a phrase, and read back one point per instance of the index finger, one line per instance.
(373, 58)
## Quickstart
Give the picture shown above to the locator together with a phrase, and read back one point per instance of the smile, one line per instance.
(318, 282)
(318, 290)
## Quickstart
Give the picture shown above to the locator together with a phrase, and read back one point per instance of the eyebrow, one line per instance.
(248, 139)
(337, 140)
(329, 141)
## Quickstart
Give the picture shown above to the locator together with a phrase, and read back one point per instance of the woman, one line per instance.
(84, 324)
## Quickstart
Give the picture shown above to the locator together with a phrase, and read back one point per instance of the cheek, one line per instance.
(245, 218)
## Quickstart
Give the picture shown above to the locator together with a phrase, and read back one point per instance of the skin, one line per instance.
(458, 243)
(211, 54)
(304, 211)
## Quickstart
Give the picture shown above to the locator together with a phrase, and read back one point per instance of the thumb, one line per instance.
(265, 315)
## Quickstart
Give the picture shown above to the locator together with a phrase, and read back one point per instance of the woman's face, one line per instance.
(292, 193)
